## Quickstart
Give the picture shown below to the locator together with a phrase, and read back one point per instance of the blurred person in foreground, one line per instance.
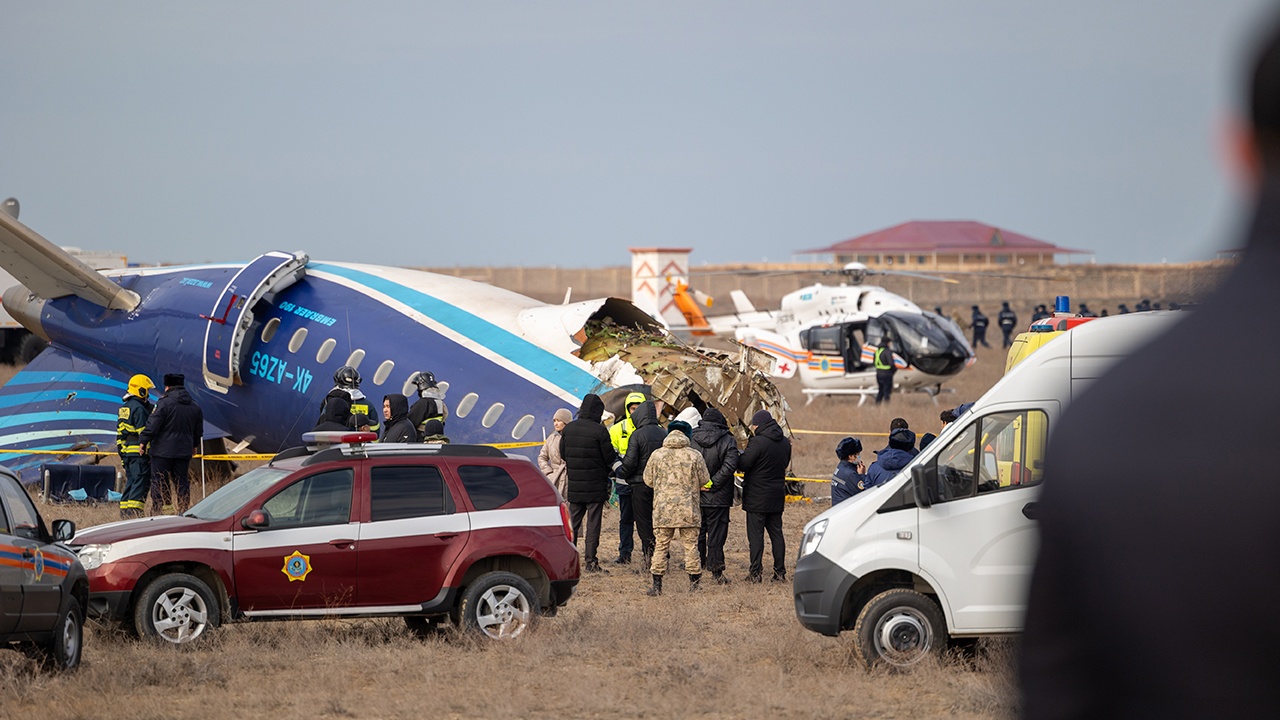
(676, 473)
(713, 439)
(764, 475)
(588, 456)
(1154, 590)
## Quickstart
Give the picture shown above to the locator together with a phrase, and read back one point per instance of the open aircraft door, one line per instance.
(232, 314)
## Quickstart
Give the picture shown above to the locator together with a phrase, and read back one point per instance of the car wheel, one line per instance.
(899, 627)
(176, 608)
(500, 605)
(62, 652)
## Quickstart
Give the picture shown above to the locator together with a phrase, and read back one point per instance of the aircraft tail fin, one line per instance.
(59, 402)
(51, 272)
(741, 303)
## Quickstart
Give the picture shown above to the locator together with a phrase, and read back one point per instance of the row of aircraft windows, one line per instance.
(465, 406)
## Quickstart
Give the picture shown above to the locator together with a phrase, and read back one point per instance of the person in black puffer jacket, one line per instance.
(397, 427)
(647, 437)
(764, 491)
(588, 456)
(172, 436)
(713, 439)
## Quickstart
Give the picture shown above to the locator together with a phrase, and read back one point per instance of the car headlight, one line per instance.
(92, 556)
(813, 536)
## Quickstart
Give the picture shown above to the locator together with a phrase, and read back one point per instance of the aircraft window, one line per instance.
(326, 349)
(269, 330)
(409, 390)
(522, 427)
(299, 337)
(444, 386)
(492, 414)
(355, 358)
(383, 371)
(464, 406)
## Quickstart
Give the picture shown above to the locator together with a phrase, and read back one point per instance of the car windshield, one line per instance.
(231, 497)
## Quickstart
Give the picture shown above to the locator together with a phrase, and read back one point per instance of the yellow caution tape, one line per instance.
(837, 432)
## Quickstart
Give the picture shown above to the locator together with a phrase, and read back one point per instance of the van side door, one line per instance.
(978, 540)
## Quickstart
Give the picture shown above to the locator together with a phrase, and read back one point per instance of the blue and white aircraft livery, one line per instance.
(259, 343)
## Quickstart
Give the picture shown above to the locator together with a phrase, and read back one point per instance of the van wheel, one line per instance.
(500, 605)
(176, 608)
(899, 627)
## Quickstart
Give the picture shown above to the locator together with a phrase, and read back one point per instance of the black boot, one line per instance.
(623, 559)
(657, 587)
(695, 582)
(719, 578)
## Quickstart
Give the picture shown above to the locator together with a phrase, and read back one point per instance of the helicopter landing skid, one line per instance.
(814, 393)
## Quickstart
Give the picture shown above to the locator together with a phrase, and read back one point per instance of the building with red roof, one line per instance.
(945, 243)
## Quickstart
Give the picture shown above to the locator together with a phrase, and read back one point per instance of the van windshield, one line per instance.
(224, 501)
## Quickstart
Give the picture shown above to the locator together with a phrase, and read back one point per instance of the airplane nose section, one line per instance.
(25, 307)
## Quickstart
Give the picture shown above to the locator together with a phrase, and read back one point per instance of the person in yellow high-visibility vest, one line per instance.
(132, 418)
(884, 370)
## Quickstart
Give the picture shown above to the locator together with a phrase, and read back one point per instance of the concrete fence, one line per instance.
(1101, 286)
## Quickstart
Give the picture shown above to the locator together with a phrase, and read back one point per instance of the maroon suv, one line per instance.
(345, 530)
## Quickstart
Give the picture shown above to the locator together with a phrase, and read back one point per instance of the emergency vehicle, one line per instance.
(945, 549)
(345, 528)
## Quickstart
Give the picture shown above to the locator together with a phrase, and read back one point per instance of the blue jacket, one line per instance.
(889, 462)
(846, 482)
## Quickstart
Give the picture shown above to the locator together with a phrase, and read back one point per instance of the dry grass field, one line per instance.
(724, 652)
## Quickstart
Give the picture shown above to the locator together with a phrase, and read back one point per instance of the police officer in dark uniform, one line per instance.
(133, 417)
(1041, 313)
(172, 437)
(1007, 320)
(979, 324)
(884, 370)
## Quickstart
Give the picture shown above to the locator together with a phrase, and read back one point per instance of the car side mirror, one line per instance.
(255, 520)
(63, 530)
(924, 483)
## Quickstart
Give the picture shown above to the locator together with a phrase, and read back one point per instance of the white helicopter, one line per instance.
(827, 334)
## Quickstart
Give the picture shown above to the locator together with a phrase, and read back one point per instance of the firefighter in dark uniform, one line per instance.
(344, 401)
(1007, 320)
(133, 417)
(884, 370)
(430, 403)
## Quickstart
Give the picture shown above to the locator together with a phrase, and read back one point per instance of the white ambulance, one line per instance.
(945, 549)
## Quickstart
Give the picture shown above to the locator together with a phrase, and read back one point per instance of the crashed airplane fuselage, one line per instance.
(259, 343)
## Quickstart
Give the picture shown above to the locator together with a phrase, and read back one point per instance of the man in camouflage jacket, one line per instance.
(676, 472)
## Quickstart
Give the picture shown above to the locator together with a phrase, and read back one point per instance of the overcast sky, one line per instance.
(534, 133)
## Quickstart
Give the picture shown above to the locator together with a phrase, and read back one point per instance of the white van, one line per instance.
(945, 548)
